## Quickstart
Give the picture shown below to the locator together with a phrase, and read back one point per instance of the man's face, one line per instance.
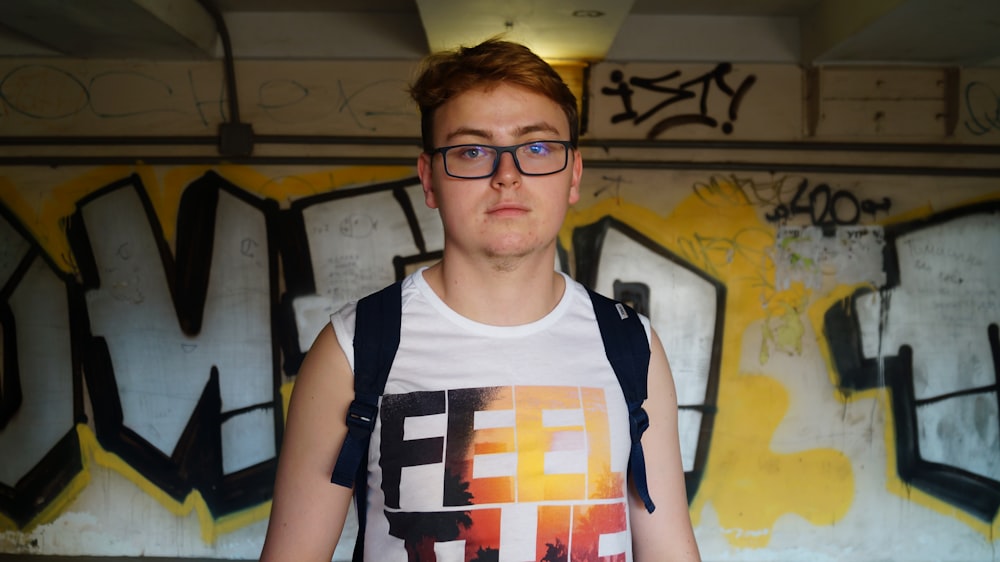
(508, 214)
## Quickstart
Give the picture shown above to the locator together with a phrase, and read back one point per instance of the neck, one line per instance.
(503, 294)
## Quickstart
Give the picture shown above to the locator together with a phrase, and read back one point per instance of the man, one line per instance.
(502, 432)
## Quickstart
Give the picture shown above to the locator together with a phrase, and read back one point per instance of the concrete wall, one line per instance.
(819, 250)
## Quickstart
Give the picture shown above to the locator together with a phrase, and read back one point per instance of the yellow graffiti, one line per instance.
(749, 485)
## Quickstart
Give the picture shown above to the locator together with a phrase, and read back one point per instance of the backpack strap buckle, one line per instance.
(361, 416)
(360, 424)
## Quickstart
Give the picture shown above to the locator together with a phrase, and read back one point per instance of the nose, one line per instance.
(506, 174)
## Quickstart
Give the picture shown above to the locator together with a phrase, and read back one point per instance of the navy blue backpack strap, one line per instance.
(376, 338)
(627, 348)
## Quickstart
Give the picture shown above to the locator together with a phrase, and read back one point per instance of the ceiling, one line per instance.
(808, 32)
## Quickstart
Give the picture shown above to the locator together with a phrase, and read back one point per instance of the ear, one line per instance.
(574, 186)
(425, 171)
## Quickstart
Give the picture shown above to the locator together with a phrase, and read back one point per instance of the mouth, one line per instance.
(507, 210)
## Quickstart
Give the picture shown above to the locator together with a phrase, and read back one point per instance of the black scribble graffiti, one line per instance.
(828, 208)
(983, 104)
(612, 184)
(217, 104)
(153, 95)
(358, 226)
(278, 94)
(123, 252)
(735, 191)
(41, 91)
(46, 92)
(696, 88)
(247, 246)
(824, 206)
(291, 101)
(357, 114)
(713, 254)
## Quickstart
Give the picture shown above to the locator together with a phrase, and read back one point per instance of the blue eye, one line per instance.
(472, 152)
(537, 149)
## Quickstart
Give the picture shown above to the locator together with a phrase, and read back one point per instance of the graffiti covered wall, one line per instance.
(833, 332)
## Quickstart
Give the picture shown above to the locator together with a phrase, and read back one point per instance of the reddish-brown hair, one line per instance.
(447, 74)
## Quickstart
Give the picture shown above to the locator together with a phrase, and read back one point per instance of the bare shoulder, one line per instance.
(661, 378)
(325, 367)
(308, 511)
(665, 534)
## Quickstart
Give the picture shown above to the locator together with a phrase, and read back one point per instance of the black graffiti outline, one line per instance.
(196, 461)
(588, 247)
(37, 489)
(678, 94)
(894, 370)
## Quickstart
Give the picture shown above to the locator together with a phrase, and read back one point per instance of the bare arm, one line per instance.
(665, 534)
(308, 512)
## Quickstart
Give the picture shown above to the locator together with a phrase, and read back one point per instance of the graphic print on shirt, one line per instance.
(503, 473)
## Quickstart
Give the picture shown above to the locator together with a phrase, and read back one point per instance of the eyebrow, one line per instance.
(519, 132)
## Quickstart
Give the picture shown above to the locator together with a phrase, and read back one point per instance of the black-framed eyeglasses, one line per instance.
(476, 161)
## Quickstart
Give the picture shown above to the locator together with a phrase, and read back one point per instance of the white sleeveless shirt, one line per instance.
(497, 443)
